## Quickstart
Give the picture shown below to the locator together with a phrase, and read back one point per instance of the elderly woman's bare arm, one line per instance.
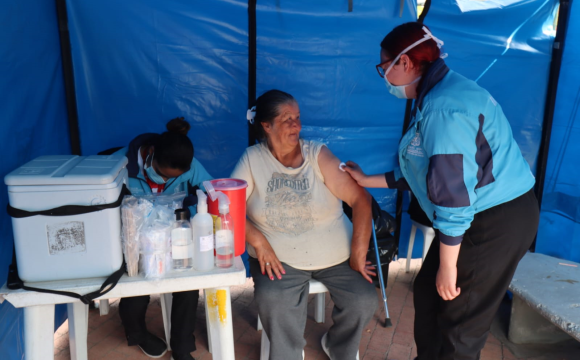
(342, 185)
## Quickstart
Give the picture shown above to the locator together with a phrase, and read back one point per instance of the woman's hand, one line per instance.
(447, 282)
(269, 263)
(358, 263)
(355, 171)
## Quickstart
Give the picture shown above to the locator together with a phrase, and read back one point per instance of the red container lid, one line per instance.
(228, 184)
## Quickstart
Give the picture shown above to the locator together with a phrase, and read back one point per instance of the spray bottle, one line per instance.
(181, 245)
(224, 234)
(203, 240)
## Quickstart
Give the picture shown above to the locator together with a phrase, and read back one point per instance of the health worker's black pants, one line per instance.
(183, 315)
(491, 249)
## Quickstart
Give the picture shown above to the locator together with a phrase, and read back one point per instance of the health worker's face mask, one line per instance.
(399, 90)
(152, 175)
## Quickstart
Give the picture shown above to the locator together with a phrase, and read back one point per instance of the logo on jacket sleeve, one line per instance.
(414, 147)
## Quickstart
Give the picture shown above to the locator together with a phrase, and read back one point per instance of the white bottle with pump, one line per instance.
(181, 244)
(203, 240)
(224, 234)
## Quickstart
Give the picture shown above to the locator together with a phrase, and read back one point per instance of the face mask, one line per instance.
(152, 175)
(399, 90)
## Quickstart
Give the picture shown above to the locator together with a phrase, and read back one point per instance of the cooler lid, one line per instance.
(68, 170)
(228, 184)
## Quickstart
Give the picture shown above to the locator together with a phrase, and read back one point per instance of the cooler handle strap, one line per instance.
(68, 210)
(107, 286)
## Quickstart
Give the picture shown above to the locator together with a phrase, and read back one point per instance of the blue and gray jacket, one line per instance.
(187, 181)
(458, 155)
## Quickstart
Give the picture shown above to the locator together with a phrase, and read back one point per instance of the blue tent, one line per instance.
(133, 65)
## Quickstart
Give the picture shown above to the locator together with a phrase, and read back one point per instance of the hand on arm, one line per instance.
(346, 189)
(447, 275)
(369, 181)
(269, 263)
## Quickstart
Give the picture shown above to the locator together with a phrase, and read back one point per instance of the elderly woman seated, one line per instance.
(297, 231)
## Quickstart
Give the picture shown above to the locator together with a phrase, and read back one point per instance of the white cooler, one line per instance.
(73, 246)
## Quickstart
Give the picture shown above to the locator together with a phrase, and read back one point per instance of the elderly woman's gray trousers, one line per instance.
(282, 306)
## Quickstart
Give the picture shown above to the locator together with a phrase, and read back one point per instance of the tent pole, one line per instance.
(426, 8)
(68, 75)
(252, 50)
(557, 52)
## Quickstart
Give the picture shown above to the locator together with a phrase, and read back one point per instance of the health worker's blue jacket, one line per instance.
(458, 155)
(187, 181)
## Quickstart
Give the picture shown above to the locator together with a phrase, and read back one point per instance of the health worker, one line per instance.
(163, 163)
(459, 158)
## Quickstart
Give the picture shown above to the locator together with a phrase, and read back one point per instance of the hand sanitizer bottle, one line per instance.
(181, 241)
(203, 240)
(224, 234)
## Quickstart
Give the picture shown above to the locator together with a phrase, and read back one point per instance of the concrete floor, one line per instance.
(106, 339)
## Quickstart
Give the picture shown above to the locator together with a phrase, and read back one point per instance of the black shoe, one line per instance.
(181, 356)
(153, 346)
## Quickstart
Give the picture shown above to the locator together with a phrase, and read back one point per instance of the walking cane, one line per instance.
(388, 322)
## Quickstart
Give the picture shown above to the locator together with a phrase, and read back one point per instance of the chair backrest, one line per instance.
(385, 224)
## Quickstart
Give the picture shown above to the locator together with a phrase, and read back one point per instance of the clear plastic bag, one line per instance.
(171, 201)
(147, 224)
(133, 213)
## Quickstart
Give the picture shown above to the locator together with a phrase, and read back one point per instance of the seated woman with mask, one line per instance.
(296, 231)
(163, 163)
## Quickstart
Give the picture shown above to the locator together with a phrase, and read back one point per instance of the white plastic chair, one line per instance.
(428, 236)
(316, 287)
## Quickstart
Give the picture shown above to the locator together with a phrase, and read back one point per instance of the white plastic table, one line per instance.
(39, 307)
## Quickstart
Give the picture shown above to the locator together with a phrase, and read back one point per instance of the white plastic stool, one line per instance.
(316, 287)
(428, 236)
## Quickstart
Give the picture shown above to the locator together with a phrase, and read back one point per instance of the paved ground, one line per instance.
(106, 339)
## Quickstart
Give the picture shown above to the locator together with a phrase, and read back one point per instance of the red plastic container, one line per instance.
(235, 189)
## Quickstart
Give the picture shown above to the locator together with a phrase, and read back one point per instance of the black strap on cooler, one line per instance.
(14, 282)
(68, 210)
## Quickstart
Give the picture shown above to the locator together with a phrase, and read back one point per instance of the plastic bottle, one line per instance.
(224, 234)
(181, 241)
(203, 240)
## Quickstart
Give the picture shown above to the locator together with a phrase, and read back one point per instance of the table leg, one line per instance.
(219, 308)
(207, 326)
(39, 332)
(78, 325)
(166, 305)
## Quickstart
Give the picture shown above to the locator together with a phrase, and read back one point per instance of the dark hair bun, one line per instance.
(178, 125)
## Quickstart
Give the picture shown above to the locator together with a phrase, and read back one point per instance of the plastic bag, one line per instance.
(133, 213)
(170, 201)
(147, 224)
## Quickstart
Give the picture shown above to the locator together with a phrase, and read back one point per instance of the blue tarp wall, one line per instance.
(559, 232)
(33, 122)
(138, 64)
